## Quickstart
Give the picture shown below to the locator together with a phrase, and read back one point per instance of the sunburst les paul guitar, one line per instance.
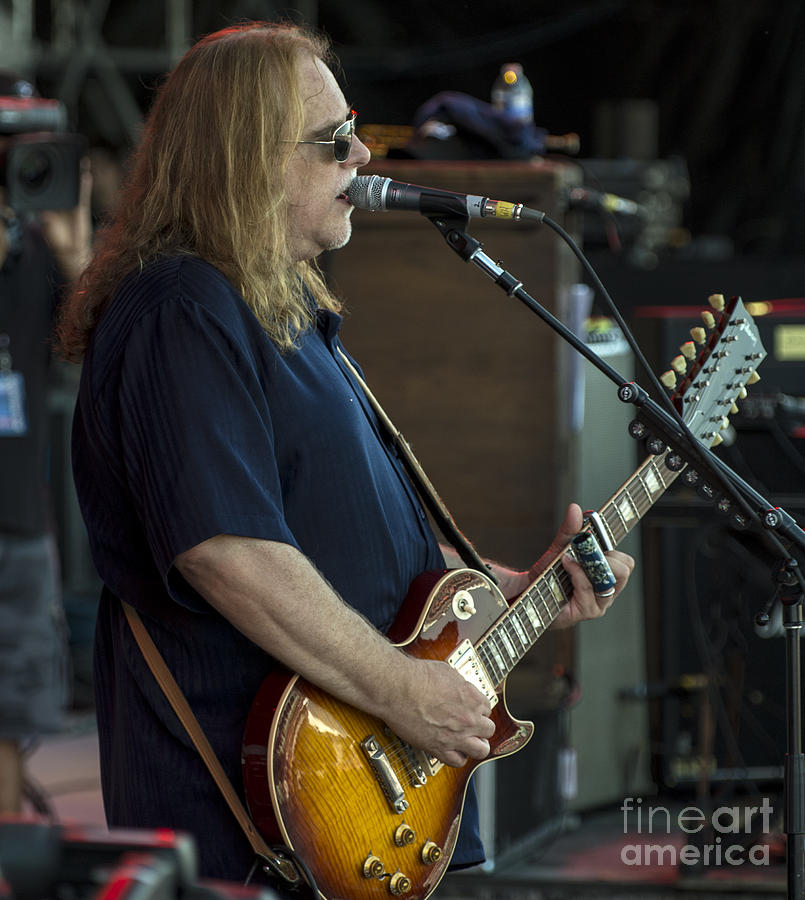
(370, 815)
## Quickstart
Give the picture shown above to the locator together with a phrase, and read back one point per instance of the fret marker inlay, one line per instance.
(625, 509)
(556, 590)
(651, 481)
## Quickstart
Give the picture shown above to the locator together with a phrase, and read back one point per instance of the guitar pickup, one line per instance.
(384, 772)
(465, 661)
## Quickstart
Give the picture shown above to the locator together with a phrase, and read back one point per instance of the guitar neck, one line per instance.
(709, 389)
(517, 630)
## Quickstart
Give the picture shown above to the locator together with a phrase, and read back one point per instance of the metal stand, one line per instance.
(791, 598)
(777, 526)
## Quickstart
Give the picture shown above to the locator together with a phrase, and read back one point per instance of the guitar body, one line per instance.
(326, 779)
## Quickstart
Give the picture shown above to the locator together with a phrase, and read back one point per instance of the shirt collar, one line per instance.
(329, 323)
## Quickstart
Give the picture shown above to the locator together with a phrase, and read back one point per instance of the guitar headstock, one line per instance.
(715, 377)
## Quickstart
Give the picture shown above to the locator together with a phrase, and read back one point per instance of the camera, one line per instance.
(40, 164)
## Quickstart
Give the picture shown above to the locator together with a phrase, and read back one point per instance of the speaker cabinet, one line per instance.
(718, 680)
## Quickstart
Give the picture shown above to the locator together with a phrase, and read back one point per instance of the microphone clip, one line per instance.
(453, 228)
(469, 249)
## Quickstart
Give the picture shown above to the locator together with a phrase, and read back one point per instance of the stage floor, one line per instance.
(645, 847)
(596, 857)
(602, 854)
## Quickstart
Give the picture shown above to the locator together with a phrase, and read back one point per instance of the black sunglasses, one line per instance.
(342, 139)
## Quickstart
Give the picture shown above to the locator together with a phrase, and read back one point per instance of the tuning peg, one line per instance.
(742, 394)
(734, 408)
(688, 350)
(717, 439)
(698, 334)
(740, 521)
(679, 365)
(637, 429)
(668, 379)
(753, 378)
(716, 301)
(723, 505)
(708, 318)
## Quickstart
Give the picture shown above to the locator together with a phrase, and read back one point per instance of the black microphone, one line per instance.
(375, 193)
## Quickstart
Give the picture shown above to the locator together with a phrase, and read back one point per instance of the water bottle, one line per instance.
(512, 94)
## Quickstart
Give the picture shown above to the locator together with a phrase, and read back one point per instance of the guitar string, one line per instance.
(545, 606)
(396, 753)
(497, 649)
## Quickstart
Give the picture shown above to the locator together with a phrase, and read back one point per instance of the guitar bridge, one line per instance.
(420, 764)
(385, 774)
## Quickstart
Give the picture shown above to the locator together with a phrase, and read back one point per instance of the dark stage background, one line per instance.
(695, 110)
(727, 78)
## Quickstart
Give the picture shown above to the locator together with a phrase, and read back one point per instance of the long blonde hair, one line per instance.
(208, 180)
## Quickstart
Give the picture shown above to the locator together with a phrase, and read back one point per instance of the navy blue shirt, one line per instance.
(191, 423)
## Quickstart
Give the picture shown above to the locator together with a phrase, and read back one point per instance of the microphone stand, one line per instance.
(778, 524)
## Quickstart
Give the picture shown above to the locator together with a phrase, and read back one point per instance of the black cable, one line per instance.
(738, 551)
(300, 864)
(284, 852)
(599, 285)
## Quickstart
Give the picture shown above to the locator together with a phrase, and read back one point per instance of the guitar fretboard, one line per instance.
(526, 620)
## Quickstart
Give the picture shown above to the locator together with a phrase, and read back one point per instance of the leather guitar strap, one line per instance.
(282, 867)
(427, 492)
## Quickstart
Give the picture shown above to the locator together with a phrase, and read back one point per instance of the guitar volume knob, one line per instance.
(399, 884)
(431, 853)
(372, 867)
(404, 835)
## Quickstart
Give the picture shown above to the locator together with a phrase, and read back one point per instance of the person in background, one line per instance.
(39, 256)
